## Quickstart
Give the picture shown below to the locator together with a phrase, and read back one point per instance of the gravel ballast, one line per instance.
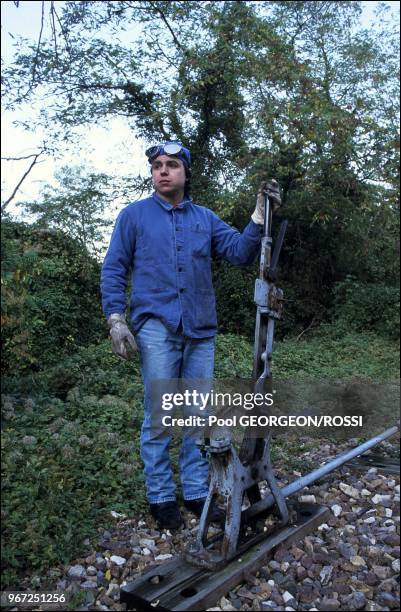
(351, 562)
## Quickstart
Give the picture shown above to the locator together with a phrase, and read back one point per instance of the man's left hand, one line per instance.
(272, 189)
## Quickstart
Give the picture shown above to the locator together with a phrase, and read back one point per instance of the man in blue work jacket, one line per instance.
(167, 241)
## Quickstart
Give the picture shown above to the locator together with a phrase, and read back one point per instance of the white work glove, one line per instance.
(273, 191)
(123, 342)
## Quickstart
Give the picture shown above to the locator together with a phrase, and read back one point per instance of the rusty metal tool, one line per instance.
(236, 475)
(179, 585)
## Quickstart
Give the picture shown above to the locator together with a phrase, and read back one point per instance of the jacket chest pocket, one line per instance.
(201, 261)
(200, 242)
(154, 249)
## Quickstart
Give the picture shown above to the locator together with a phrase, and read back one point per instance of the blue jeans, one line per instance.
(168, 355)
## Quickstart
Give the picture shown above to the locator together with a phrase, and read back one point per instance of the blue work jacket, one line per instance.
(169, 252)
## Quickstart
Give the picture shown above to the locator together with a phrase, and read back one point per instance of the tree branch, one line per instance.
(312, 17)
(312, 324)
(64, 32)
(20, 158)
(35, 61)
(162, 15)
(12, 196)
(53, 23)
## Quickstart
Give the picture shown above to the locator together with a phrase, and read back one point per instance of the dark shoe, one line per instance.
(167, 515)
(196, 506)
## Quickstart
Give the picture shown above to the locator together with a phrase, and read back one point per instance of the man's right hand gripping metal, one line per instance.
(273, 191)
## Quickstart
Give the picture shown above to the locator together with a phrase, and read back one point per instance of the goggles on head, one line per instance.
(169, 148)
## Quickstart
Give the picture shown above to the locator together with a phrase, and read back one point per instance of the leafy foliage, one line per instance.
(332, 353)
(234, 298)
(76, 207)
(50, 297)
(362, 306)
(296, 90)
(75, 459)
(74, 462)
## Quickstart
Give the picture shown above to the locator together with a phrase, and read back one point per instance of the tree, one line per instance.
(77, 206)
(295, 90)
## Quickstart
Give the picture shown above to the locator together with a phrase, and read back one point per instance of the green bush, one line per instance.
(234, 289)
(65, 467)
(93, 369)
(50, 297)
(368, 307)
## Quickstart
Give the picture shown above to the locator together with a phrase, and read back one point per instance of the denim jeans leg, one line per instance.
(198, 363)
(161, 356)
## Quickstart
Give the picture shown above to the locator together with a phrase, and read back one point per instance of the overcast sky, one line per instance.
(113, 151)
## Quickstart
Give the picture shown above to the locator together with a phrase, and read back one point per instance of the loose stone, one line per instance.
(118, 560)
(349, 490)
(336, 509)
(76, 572)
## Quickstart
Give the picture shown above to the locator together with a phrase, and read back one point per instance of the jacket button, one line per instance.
(179, 269)
(181, 290)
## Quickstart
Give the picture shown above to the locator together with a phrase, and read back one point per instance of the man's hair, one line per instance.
(187, 186)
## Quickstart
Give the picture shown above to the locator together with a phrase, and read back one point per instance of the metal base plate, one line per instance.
(177, 585)
(387, 465)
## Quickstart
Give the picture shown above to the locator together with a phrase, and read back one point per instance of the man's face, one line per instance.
(168, 174)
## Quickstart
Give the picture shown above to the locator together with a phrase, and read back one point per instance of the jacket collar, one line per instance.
(166, 205)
